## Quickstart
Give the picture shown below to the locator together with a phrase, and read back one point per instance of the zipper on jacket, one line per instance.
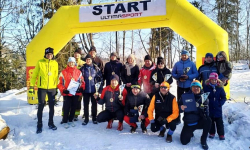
(48, 75)
(40, 81)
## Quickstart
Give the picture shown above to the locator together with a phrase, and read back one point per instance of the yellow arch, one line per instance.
(180, 16)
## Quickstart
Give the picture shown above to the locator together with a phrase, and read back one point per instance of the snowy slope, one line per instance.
(21, 118)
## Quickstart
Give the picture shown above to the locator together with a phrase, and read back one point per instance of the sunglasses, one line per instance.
(164, 87)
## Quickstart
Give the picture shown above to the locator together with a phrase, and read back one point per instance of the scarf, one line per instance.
(129, 67)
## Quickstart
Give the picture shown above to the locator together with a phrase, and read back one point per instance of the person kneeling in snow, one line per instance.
(134, 100)
(217, 98)
(166, 111)
(195, 115)
(113, 103)
(71, 73)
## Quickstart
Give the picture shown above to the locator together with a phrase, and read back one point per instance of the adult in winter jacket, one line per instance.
(95, 59)
(111, 68)
(70, 100)
(135, 100)
(184, 72)
(46, 75)
(144, 75)
(91, 74)
(166, 111)
(196, 114)
(160, 73)
(114, 103)
(208, 67)
(217, 98)
(130, 72)
(79, 64)
(224, 67)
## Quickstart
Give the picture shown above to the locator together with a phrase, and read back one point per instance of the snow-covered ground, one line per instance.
(21, 118)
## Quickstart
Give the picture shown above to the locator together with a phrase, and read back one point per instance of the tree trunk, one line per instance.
(123, 47)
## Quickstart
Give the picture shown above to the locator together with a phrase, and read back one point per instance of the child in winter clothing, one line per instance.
(217, 98)
(224, 67)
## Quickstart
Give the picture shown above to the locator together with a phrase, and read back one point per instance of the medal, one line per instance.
(111, 99)
(113, 73)
(145, 77)
(197, 104)
(90, 78)
(49, 74)
(72, 79)
(135, 108)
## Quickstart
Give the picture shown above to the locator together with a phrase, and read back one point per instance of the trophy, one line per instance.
(185, 70)
(167, 76)
(155, 76)
(97, 86)
(121, 88)
(204, 97)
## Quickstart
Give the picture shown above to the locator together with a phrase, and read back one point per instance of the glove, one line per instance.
(80, 90)
(31, 90)
(65, 92)
(161, 120)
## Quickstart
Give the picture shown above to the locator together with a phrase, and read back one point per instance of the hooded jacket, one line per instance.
(178, 71)
(217, 98)
(224, 67)
(46, 74)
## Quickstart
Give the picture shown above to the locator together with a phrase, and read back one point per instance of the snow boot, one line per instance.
(169, 138)
(94, 120)
(204, 145)
(39, 128)
(85, 122)
(162, 132)
(52, 126)
(211, 136)
(110, 122)
(132, 130)
(143, 128)
(222, 137)
(65, 125)
(120, 126)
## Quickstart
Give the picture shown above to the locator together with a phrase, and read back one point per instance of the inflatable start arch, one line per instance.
(178, 15)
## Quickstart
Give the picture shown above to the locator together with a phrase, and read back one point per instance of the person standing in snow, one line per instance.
(224, 67)
(184, 72)
(208, 67)
(114, 103)
(196, 114)
(71, 73)
(130, 72)
(160, 72)
(144, 75)
(46, 75)
(217, 98)
(166, 111)
(92, 75)
(134, 101)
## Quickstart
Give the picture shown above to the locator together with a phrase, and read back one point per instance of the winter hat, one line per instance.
(160, 60)
(92, 48)
(165, 84)
(147, 57)
(209, 55)
(113, 54)
(136, 86)
(196, 83)
(88, 56)
(49, 50)
(72, 59)
(213, 75)
(185, 52)
(78, 50)
(114, 76)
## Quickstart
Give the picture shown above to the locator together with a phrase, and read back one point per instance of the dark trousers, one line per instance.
(41, 103)
(78, 106)
(157, 126)
(180, 91)
(86, 98)
(107, 115)
(218, 122)
(69, 107)
(187, 131)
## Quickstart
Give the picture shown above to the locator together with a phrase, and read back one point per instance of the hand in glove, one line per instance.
(80, 90)
(65, 92)
(161, 120)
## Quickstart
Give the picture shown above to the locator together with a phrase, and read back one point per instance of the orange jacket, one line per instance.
(175, 110)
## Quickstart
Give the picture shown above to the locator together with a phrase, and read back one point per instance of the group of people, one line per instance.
(134, 104)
